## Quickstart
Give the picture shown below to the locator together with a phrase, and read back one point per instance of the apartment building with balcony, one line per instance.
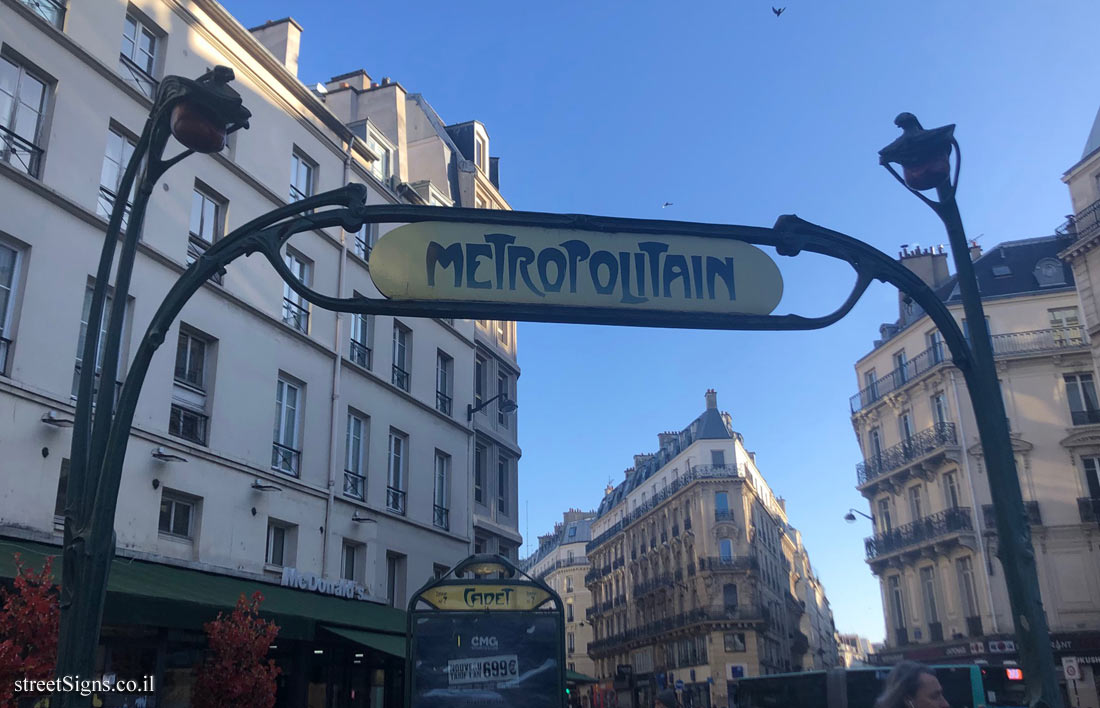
(696, 574)
(561, 561)
(436, 164)
(934, 547)
(276, 446)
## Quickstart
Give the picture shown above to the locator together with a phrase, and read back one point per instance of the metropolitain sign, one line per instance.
(537, 265)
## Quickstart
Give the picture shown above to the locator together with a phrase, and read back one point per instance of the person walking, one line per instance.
(912, 685)
(665, 699)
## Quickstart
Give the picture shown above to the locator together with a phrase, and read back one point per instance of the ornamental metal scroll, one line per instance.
(476, 641)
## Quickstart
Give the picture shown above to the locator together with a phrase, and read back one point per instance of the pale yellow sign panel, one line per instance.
(485, 597)
(529, 265)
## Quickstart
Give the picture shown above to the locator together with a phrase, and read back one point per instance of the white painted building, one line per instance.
(367, 474)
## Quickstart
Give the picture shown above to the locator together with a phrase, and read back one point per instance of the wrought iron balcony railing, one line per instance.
(723, 515)
(196, 246)
(647, 586)
(1083, 224)
(923, 443)
(1034, 518)
(1089, 509)
(285, 459)
(296, 315)
(355, 485)
(921, 531)
(568, 563)
(362, 246)
(400, 378)
(95, 384)
(20, 153)
(718, 563)
(1004, 345)
(106, 202)
(750, 612)
(52, 11)
(137, 77)
(443, 403)
(395, 500)
(441, 516)
(360, 354)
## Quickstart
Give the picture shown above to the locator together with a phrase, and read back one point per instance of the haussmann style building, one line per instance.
(332, 462)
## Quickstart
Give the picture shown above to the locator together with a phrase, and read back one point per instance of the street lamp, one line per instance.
(850, 517)
(925, 157)
(506, 405)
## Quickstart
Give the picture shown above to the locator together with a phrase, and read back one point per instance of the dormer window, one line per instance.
(1050, 273)
(479, 153)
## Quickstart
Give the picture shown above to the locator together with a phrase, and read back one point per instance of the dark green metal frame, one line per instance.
(99, 448)
(452, 579)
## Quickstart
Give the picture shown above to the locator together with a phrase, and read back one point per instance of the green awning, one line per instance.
(386, 643)
(142, 592)
(578, 677)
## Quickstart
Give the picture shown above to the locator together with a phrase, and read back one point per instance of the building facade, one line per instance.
(562, 563)
(934, 547)
(697, 576)
(854, 649)
(364, 486)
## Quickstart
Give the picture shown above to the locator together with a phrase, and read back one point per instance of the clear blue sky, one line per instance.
(735, 116)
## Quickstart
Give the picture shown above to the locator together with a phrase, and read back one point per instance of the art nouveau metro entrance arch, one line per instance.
(512, 265)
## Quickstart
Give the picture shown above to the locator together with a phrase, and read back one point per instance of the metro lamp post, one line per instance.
(925, 159)
(506, 405)
(850, 517)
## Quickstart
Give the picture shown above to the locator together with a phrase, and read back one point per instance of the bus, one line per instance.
(964, 686)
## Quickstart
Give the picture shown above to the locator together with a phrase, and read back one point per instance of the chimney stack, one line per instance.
(282, 38)
(975, 251)
(712, 399)
(928, 264)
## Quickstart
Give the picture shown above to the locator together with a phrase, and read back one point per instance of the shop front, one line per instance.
(334, 651)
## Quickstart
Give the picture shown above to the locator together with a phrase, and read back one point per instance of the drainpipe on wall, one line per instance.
(974, 509)
(334, 409)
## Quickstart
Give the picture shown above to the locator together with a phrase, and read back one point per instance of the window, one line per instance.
(188, 418)
(362, 328)
(381, 168)
(52, 11)
(897, 602)
(137, 61)
(885, 524)
(207, 222)
(1065, 326)
(444, 367)
(916, 507)
(717, 458)
(280, 543)
(504, 332)
(934, 340)
(395, 491)
(939, 409)
(84, 317)
(1050, 272)
(301, 176)
(967, 592)
(296, 307)
(480, 369)
(480, 459)
(905, 426)
(1092, 476)
(569, 583)
(62, 489)
(928, 593)
(569, 611)
(502, 485)
(734, 641)
(729, 597)
(950, 490)
(9, 270)
(401, 340)
(1081, 393)
(870, 384)
(966, 330)
(355, 481)
(721, 506)
(176, 515)
(365, 238)
(901, 368)
(569, 642)
(285, 452)
(117, 155)
(874, 437)
(442, 491)
(395, 579)
(479, 151)
(503, 392)
(438, 571)
(725, 550)
(22, 103)
(352, 561)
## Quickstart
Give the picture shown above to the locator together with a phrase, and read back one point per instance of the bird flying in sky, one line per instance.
(779, 11)
(666, 204)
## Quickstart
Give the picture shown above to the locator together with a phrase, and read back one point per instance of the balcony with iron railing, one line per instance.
(285, 459)
(355, 485)
(1083, 224)
(400, 378)
(696, 472)
(565, 563)
(723, 515)
(196, 247)
(296, 315)
(137, 77)
(921, 447)
(1006, 345)
(21, 154)
(1034, 518)
(360, 354)
(106, 202)
(939, 526)
(683, 621)
(395, 500)
(443, 403)
(1089, 509)
(647, 586)
(441, 517)
(52, 11)
(718, 564)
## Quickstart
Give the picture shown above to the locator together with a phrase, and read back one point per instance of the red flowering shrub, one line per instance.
(29, 622)
(234, 673)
